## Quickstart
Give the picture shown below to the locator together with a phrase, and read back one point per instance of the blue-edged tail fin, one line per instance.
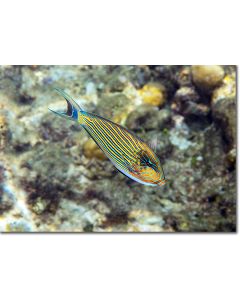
(68, 98)
(72, 107)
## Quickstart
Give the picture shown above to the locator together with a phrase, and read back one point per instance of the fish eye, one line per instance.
(149, 163)
(152, 165)
(146, 162)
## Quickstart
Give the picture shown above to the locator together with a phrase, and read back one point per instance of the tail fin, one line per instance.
(72, 107)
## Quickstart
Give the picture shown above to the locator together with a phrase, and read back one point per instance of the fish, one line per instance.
(128, 153)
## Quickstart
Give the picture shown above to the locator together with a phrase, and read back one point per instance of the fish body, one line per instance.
(128, 153)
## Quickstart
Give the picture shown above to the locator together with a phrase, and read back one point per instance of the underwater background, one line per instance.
(54, 178)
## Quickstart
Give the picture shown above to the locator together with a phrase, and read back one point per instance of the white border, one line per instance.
(117, 266)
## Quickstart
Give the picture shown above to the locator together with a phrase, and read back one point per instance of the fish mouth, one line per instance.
(162, 182)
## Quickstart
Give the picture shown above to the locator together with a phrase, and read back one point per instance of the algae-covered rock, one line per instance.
(224, 112)
(47, 170)
(148, 118)
(6, 202)
(144, 220)
(207, 77)
(18, 226)
(224, 108)
(183, 76)
(91, 150)
(114, 105)
(226, 90)
(153, 94)
(4, 133)
(187, 102)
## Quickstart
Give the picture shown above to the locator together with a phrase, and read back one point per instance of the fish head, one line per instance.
(149, 169)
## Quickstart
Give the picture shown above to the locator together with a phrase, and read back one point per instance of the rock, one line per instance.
(148, 118)
(231, 158)
(44, 175)
(40, 205)
(186, 94)
(6, 202)
(114, 105)
(77, 218)
(183, 77)
(186, 101)
(226, 90)
(164, 76)
(153, 94)
(91, 150)
(54, 129)
(224, 109)
(207, 78)
(4, 132)
(142, 217)
(224, 113)
(18, 226)
(179, 139)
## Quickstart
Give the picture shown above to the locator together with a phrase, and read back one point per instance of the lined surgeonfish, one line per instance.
(128, 153)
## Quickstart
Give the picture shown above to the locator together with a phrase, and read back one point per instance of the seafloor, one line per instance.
(53, 178)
